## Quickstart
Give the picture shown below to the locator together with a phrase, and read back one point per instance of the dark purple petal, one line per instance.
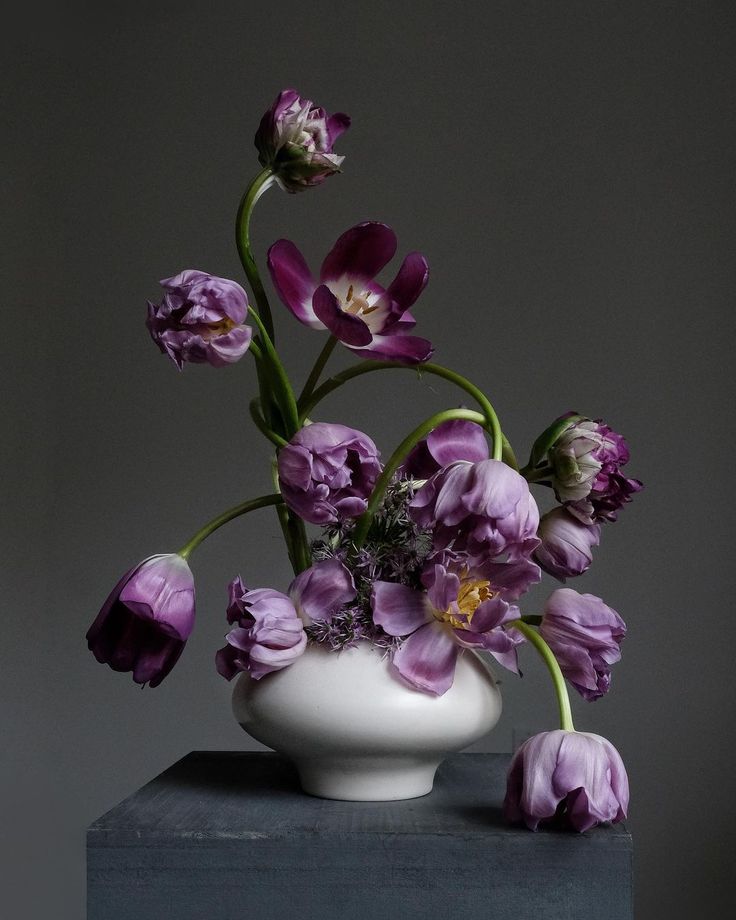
(347, 327)
(360, 253)
(409, 283)
(407, 348)
(427, 659)
(293, 281)
(399, 609)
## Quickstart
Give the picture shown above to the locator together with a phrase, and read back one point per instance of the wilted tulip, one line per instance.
(295, 139)
(576, 778)
(585, 636)
(200, 320)
(144, 624)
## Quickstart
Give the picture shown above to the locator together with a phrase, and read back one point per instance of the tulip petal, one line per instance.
(457, 439)
(409, 283)
(427, 658)
(411, 349)
(360, 253)
(320, 591)
(293, 281)
(398, 609)
(347, 327)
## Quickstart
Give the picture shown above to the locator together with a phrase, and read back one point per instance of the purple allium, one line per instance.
(295, 140)
(463, 607)
(454, 440)
(567, 544)
(585, 636)
(575, 778)
(327, 472)
(482, 509)
(370, 320)
(200, 320)
(145, 622)
(586, 463)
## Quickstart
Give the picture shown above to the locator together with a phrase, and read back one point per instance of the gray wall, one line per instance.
(568, 170)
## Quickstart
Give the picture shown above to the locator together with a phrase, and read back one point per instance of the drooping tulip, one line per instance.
(567, 543)
(146, 620)
(575, 778)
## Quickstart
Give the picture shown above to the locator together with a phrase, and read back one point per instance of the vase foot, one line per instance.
(368, 779)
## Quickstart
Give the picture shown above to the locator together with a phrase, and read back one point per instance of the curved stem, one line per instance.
(501, 448)
(397, 457)
(256, 414)
(563, 699)
(202, 534)
(286, 400)
(319, 366)
(258, 186)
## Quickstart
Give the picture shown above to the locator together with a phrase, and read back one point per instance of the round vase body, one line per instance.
(356, 730)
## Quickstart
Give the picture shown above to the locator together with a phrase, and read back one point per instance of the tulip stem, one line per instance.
(208, 529)
(287, 400)
(260, 423)
(501, 448)
(398, 456)
(563, 698)
(258, 186)
(319, 366)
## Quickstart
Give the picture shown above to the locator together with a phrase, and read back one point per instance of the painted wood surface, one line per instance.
(224, 836)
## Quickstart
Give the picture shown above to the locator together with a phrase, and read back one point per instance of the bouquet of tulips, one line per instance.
(427, 554)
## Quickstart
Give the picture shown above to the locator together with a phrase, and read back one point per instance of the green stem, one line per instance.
(319, 366)
(202, 534)
(283, 514)
(260, 423)
(284, 392)
(242, 239)
(563, 699)
(501, 448)
(421, 431)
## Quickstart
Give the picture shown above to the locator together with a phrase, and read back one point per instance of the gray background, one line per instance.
(568, 170)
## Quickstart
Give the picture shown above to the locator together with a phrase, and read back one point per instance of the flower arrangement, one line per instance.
(426, 554)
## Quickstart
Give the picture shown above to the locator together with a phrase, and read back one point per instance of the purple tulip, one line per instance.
(370, 320)
(295, 140)
(575, 777)
(567, 544)
(454, 440)
(585, 636)
(200, 319)
(144, 624)
(269, 626)
(586, 463)
(327, 472)
(483, 509)
(463, 607)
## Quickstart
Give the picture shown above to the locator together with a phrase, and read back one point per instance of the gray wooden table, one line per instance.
(225, 836)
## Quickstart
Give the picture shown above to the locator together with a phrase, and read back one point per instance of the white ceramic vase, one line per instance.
(355, 730)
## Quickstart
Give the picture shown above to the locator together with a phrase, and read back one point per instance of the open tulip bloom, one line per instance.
(427, 551)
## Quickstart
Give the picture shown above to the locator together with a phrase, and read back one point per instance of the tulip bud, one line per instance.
(567, 544)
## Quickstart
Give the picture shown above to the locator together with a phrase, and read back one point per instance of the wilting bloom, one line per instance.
(567, 543)
(327, 472)
(200, 319)
(576, 778)
(144, 624)
(268, 629)
(585, 636)
(370, 320)
(295, 139)
(586, 463)
(483, 509)
(463, 607)
(457, 439)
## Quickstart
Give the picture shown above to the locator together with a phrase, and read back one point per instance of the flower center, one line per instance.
(473, 592)
(357, 303)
